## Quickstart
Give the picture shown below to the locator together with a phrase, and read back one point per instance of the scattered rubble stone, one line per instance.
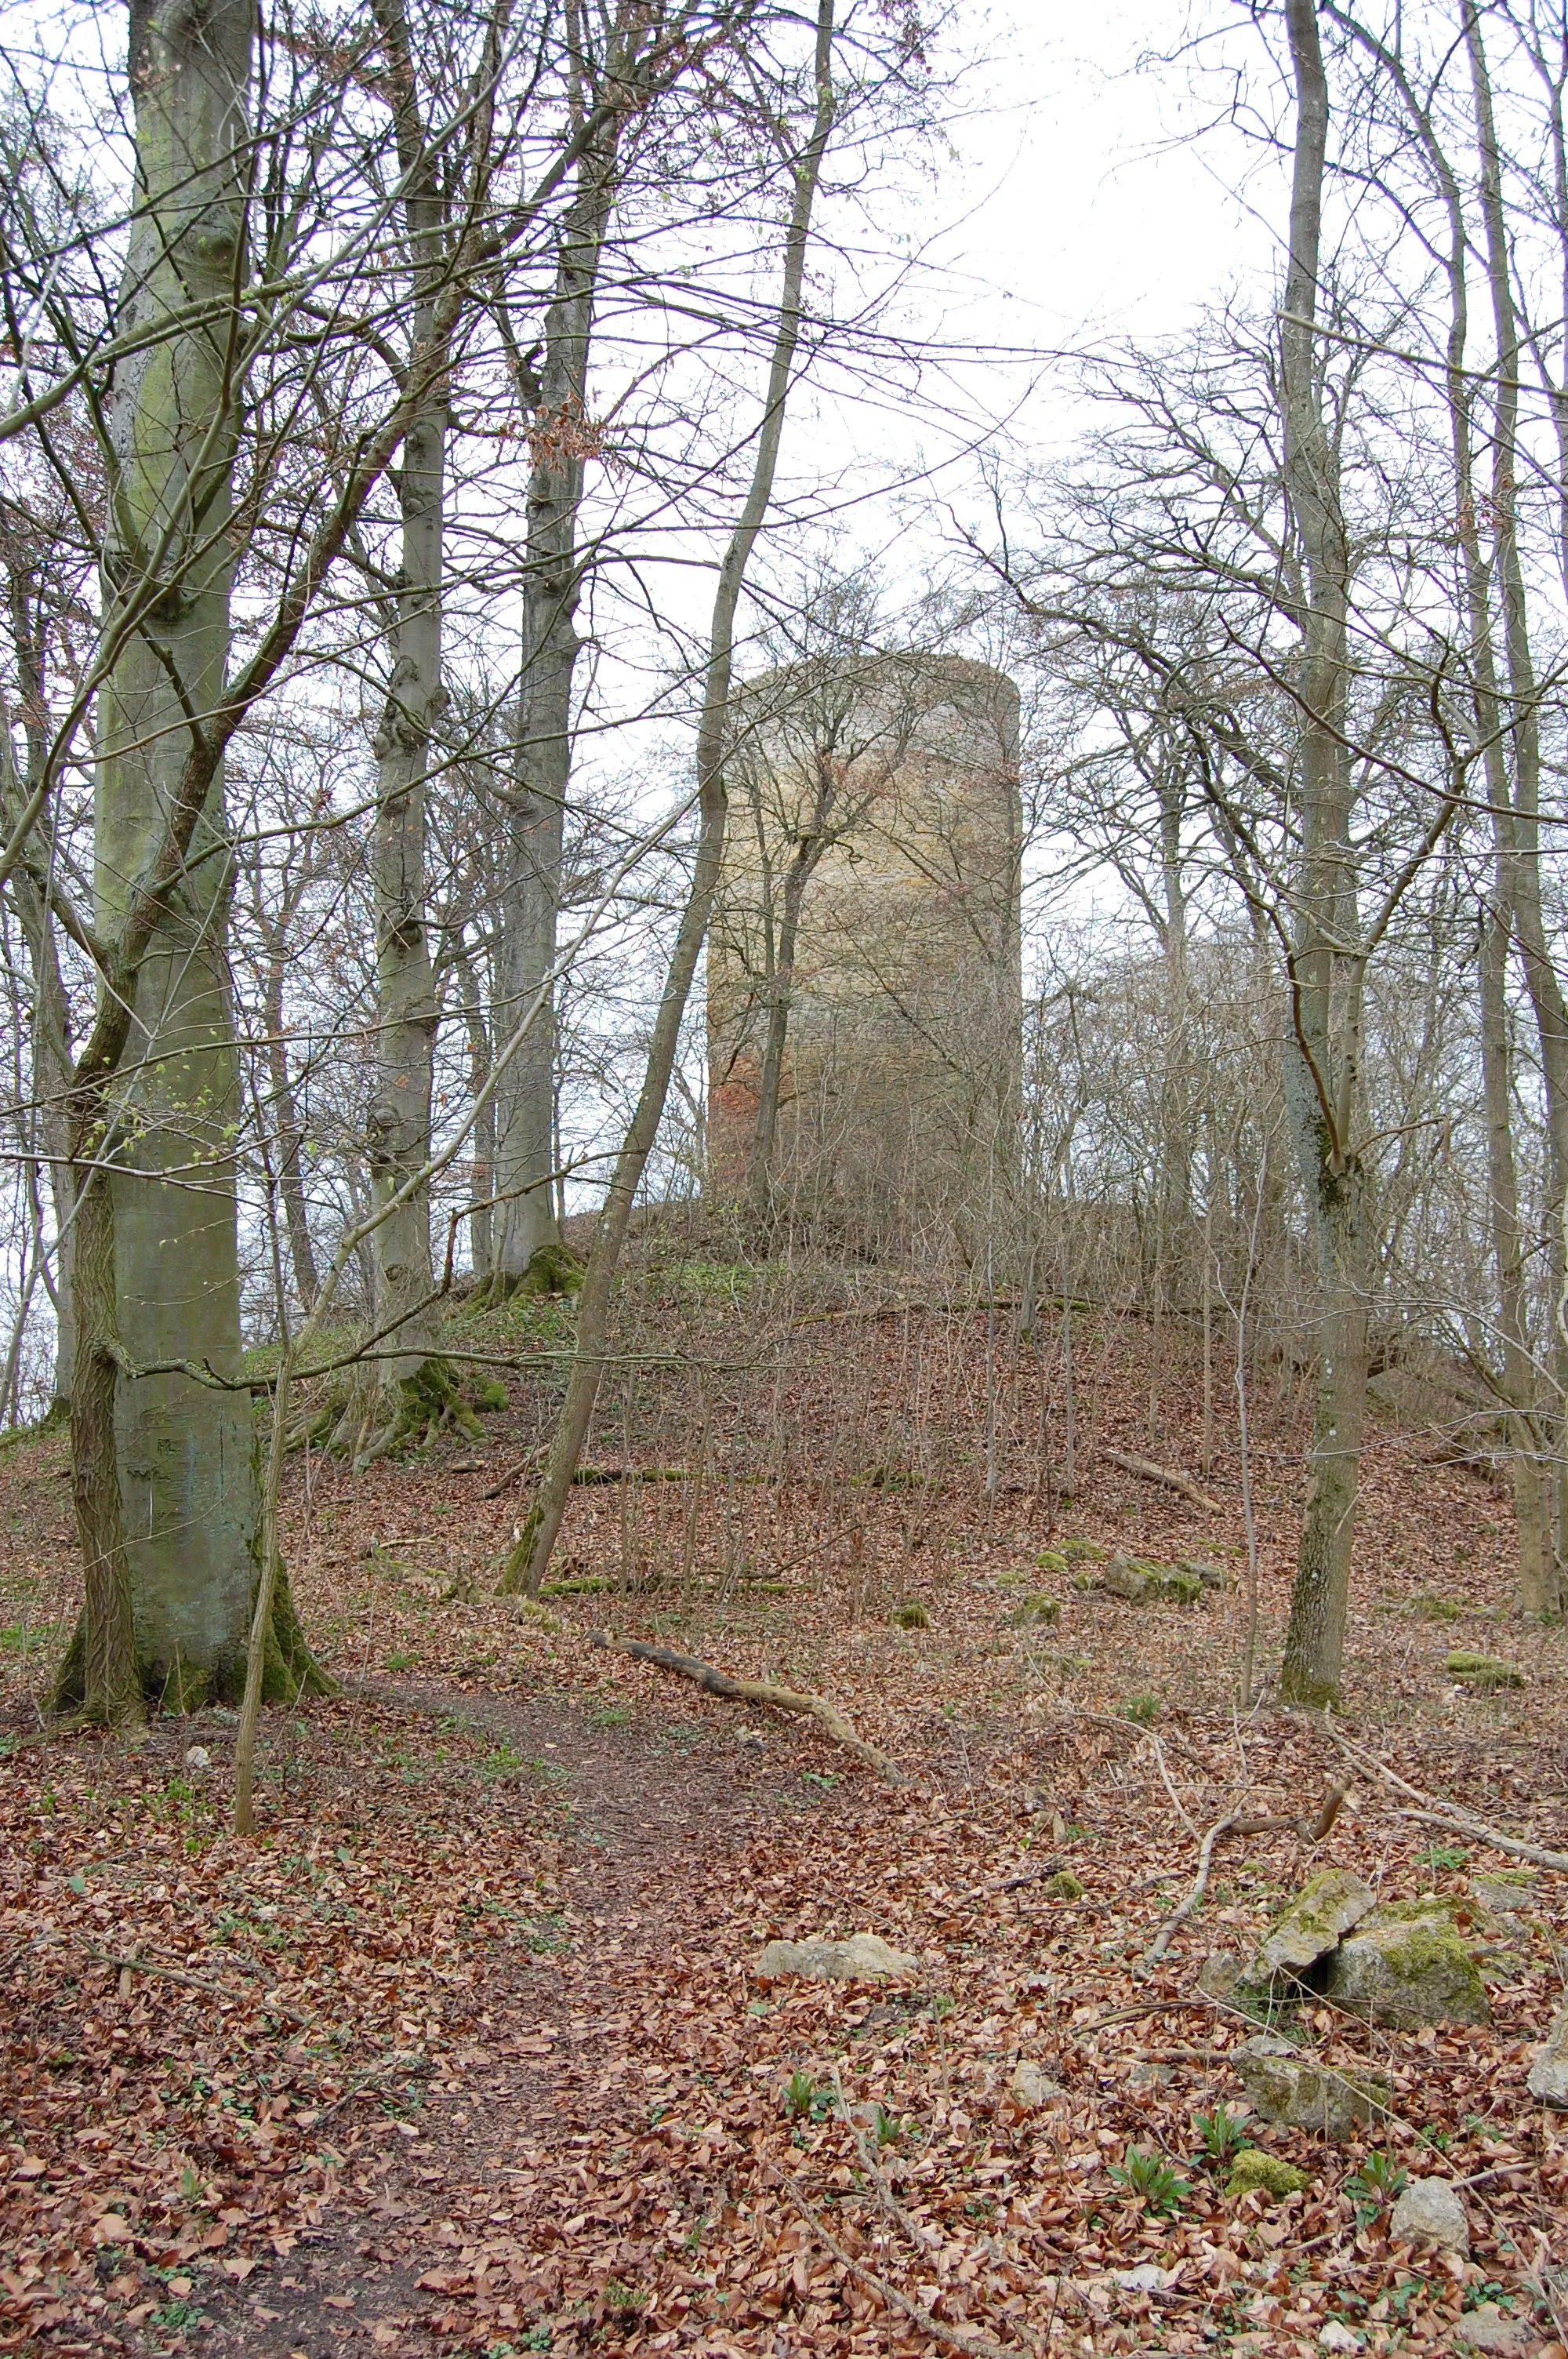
(1432, 2209)
(1548, 2074)
(1407, 1972)
(1031, 2087)
(865, 1957)
(1289, 2090)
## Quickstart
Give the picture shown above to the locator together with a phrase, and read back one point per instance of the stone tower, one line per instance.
(863, 966)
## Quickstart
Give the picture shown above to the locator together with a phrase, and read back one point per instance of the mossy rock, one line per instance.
(1063, 1885)
(552, 1269)
(1430, 1607)
(1081, 1552)
(1051, 1559)
(1033, 1611)
(1265, 2174)
(1179, 1588)
(1406, 1974)
(1212, 1576)
(488, 1396)
(1486, 1671)
(1014, 1580)
(911, 1616)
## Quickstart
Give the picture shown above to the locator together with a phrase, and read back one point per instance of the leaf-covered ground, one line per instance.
(468, 2053)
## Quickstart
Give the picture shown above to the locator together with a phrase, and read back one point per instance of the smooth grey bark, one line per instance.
(158, 1235)
(482, 1186)
(397, 1393)
(530, 1555)
(525, 954)
(286, 1126)
(1542, 982)
(1323, 1046)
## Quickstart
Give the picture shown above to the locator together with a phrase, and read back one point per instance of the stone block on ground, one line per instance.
(1488, 2327)
(1548, 2074)
(865, 1957)
(1030, 2088)
(1325, 1908)
(1405, 1974)
(1432, 2210)
(1288, 2089)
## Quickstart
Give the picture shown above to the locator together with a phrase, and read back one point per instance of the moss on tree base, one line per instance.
(290, 1669)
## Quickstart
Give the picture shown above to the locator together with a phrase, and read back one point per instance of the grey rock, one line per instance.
(1289, 2089)
(1219, 1974)
(1432, 2209)
(1211, 1576)
(865, 1957)
(1502, 1900)
(1548, 2074)
(1326, 1907)
(1030, 2088)
(1122, 1579)
(1406, 1974)
(1487, 2328)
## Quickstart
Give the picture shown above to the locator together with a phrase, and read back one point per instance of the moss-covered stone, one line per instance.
(1406, 1974)
(1052, 1561)
(1253, 2171)
(1429, 1607)
(1033, 1611)
(1179, 1588)
(488, 1396)
(1488, 1671)
(1082, 1551)
(1292, 2091)
(910, 1616)
(1325, 1908)
(1063, 1885)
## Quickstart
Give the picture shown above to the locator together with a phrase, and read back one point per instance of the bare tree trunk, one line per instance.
(1323, 1050)
(482, 1188)
(530, 1557)
(781, 987)
(285, 1116)
(526, 1221)
(1541, 979)
(398, 1395)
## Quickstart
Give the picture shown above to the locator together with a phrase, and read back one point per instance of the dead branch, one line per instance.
(1172, 1478)
(589, 1475)
(1235, 1823)
(1194, 1901)
(761, 1691)
(1449, 1814)
(921, 2238)
(965, 2339)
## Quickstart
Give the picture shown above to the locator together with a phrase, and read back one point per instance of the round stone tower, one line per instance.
(864, 1000)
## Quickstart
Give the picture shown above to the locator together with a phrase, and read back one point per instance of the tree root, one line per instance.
(763, 1691)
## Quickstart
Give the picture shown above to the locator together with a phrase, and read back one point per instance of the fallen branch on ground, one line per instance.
(1174, 1478)
(1234, 1823)
(1450, 1814)
(958, 2338)
(720, 1684)
(587, 1477)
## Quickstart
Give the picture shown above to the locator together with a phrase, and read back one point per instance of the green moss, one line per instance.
(1254, 2169)
(1483, 1670)
(1051, 1560)
(1063, 1885)
(911, 1616)
(1033, 1610)
(1180, 1588)
(1080, 1552)
(488, 1396)
(1429, 1607)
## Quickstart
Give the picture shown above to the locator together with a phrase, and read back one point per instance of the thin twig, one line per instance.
(974, 2344)
(1194, 1901)
(921, 2238)
(1449, 1813)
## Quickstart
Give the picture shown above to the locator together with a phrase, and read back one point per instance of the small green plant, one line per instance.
(537, 2338)
(1157, 2183)
(887, 2128)
(800, 2095)
(1443, 1856)
(624, 2299)
(182, 2311)
(614, 1715)
(401, 1662)
(1379, 2183)
(1223, 2133)
(1063, 1885)
(190, 2182)
(1143, 1709)
(823, 1780)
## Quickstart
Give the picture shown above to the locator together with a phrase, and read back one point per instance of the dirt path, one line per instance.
(653, 1812)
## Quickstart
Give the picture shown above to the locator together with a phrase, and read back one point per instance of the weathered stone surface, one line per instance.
(1036, 1608)
(865, 1957)
(1548, 2074)
(1289, 2089)
(1407, 1973)
(1432, 2210)
(1326, 1907)
(1123, 1579)
(1486, 2328)
(1219, 1974)
(1032, 2088)
(1501, 1895)
(1335, 2335)
(1488, 1671)
(1211, 1575)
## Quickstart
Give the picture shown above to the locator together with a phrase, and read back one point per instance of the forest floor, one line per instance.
(468, 2053)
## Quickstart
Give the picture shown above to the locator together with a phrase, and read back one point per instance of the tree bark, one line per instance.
(286, 1115)
(1523, 861)
(530, 1557)
(526, 1220)
(1322, 1049)
(156, 1252)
